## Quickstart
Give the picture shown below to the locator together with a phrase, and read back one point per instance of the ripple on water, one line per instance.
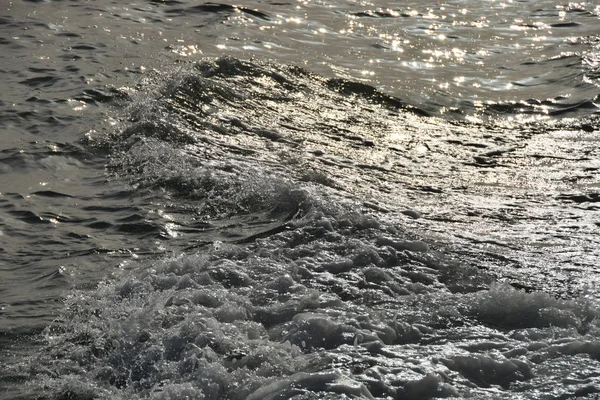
(334, 299)
(278, 197)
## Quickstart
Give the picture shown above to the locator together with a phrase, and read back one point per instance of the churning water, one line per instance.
(305, 199)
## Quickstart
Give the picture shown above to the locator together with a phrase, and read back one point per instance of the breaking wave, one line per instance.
(299, 270)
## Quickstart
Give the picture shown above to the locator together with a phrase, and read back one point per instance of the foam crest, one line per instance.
(291, 279)
(280, 318)
(508, 308)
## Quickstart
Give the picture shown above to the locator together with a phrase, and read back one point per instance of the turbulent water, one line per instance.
(307, 200)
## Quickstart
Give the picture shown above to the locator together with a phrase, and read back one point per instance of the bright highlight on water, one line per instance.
(313, 200)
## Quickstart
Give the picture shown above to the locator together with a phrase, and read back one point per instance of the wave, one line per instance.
(293, 273)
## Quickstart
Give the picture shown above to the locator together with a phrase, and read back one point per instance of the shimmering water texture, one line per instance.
(402, 203)
(454, 58)
(304, 276)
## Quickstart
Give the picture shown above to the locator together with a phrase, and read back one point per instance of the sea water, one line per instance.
(307, 199)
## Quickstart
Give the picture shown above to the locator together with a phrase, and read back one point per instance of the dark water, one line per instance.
(299, 200)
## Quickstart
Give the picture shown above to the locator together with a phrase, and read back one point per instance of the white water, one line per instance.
(263, 232)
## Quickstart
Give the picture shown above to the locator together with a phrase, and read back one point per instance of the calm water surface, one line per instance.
(307, 199)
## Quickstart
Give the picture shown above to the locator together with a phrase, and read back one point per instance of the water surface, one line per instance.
(299, 200)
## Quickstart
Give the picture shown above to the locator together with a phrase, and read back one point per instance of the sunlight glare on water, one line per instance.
(458, 55)
(305, 200)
